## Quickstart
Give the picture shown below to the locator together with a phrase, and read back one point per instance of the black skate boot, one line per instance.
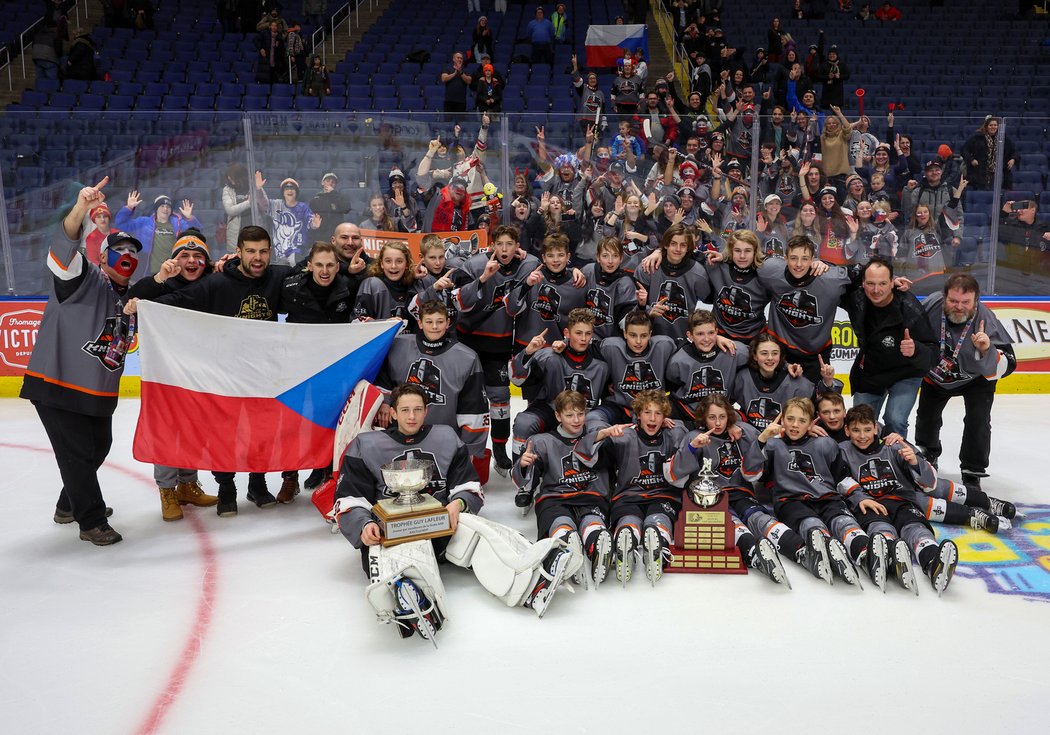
(523, 500)
(625, 550)
(258, 493)
(815, 555)
(765, 559)
(1002, 508)
(842, 565)
(552, 573)
(900, 562)
(942, 568)
(981, 519)
(657, 554)
(598, 547)
(877, 558)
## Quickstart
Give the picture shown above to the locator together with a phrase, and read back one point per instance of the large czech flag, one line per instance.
(235, 395)
(607, 44)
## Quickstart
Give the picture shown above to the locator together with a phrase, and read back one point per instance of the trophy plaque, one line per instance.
(409, 515)
(704, 535)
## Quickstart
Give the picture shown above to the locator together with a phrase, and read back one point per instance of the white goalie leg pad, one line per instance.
(505, 563)
(415, 560)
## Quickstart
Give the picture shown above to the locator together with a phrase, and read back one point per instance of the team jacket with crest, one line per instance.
(609, 296)
(66, 369)
(998, 362)
(639, 461)
(558, 472)
(681, 287)
(920, 254)
(808, 469)
(802, 310)
(543, 306)
(692, 375)
(381, 298)
(881, 472)
(736, 464)
(738, 300)
(630, 374)
(361, 481)
(568, 370)
(451, 376)
(489, 319)
(234, 294)
(761, 399)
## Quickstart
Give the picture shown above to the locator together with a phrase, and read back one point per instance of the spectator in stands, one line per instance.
(100, 221)
(775, 41)
(591, 99)
(482, 42)
(810, 181)
(834, 147)
(80, 64)
(378, 215)
(640, 67)
(887, 12)
(499, 6)
(864, 14)
(626, 89)
(937, 194)
(456, 81)
(980, 153)
(316, 82)
(47, 50)
(296, 48)
(663, 123)
(683, 13)
(141, 12)
(488, 91)
(331, 204)
(272, 16)
(315, 11)
(805, 224)
(236, 203)
(272, 66)
(290, 219)
(772, 227)
(856, 192)
(834, 73)
(157, 231)
(435, 167)
(798, 12)
(1025, 239)
(550, 220)
(451, 209)
(906, 163)
(540, 33)
(561, 24)
(400, 206)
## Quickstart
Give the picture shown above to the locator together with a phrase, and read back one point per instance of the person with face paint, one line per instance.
(74, 372)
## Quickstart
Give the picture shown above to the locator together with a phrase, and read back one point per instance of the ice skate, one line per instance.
(523, 500)
(815, 556)
(943, 566)
(598, 548)
(900, 561)
(878, 556)
(577, 568)
(841, 563)
(552, 573)
(1003, 508)
(415, 612)
(501, 460)
(981, 519)
(657, 555)
(765, 559)
(625, 549)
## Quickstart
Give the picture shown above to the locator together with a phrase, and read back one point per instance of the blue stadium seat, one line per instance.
(307, 103)
(202, 102)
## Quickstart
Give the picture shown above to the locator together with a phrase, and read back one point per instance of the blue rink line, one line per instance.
(1014, 562)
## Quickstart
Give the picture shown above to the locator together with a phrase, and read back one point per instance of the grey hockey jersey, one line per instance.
(881, 472)
(489, 319)
(583, 373)
(609, 296)
(953, 371)
(630, 374)
(558, 473)
(639, 462)
(681, 287)
(802, 311)
(692, 375)
(808, 469)
(361, 480)
(543, 306)
(761, 399)
(736, 464)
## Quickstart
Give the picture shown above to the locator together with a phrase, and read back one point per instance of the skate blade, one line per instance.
(653, 557)
(604, 556)
(947, 558)
(1005, 524)
(559, 576)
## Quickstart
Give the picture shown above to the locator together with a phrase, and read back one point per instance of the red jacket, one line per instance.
(445, 208)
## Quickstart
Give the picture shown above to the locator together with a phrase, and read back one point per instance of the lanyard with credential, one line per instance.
(962, 335)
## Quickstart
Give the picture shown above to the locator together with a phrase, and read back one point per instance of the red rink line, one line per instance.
(202, 620)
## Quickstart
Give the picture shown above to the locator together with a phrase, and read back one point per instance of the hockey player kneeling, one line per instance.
(405, 586)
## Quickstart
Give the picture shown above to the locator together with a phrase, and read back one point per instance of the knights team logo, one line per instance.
(98, 347)
(802, 463)
(729, 459)
(876, 476)
(799, 308)
(704, 382)
(927, 245)
(761, 412)
(673, 295)
(734, 304)
(257, 308)
(774, 248)
(437, 480)
(547, 302)
(500, 293)
(581, 384)
(574, 475)
(425, 374)
(597, 302)
(650, 471)
(638, 376)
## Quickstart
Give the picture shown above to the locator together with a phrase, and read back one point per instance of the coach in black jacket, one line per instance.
(897, 346)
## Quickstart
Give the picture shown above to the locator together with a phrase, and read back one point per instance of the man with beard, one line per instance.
(974, 352)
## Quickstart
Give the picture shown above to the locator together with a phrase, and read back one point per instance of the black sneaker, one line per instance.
(317, 478)
(227, 505)
(66, 516)
(1003, 508)
(101, 535)
(973, 479)
(260, 495)
(815, 556)
(982, 520)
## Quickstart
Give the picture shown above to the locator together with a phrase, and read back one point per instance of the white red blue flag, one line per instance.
(236, 395)
(606, 44)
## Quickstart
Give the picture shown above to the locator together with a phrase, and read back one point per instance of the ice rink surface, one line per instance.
(258, 624)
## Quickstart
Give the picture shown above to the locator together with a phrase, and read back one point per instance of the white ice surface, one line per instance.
(121, 640)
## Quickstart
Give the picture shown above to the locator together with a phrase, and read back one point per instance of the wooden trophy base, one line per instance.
(402, 523)
(704, 540)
